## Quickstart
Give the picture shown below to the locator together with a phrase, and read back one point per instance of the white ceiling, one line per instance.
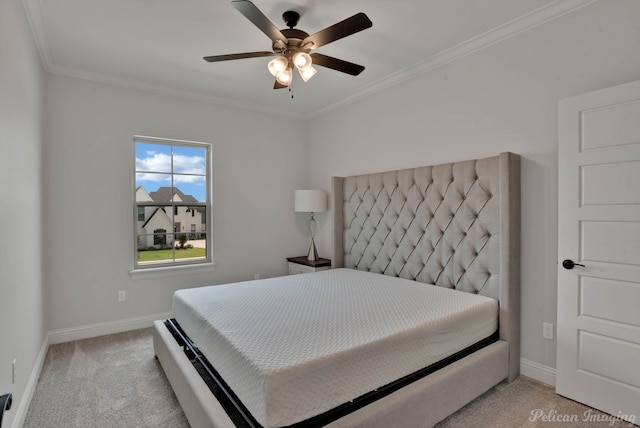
(159, 44)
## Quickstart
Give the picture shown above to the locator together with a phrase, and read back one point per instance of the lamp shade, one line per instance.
(310, 201)
(307, 73)
(302, 60)
(285, 76)
(277, 64)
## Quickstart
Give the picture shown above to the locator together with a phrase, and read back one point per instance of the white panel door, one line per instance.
(598, 334)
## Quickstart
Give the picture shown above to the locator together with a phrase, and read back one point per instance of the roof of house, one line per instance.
(157, 210)
(165, 194)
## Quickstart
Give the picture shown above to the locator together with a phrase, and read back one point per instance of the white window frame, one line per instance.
(176, 266)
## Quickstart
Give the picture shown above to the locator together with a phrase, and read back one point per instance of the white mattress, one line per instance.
(297, 346)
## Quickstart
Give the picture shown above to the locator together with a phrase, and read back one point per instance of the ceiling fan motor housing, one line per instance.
(291, 18)
(294, 43)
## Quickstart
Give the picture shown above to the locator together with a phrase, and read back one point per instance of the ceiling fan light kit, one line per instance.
(301, 60)
(278, 64)
(291, 46)
(285, 76)
(307, 73)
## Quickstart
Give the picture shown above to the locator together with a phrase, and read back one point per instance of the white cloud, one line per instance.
(156, 178)
(157, 162)
(191, 179)
(189, 164)
(161, 162)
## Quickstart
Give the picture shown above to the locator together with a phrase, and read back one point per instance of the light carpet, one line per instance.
(108, 381)
(115, 381)
(528, 403)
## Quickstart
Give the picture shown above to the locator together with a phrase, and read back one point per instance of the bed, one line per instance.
(419, 315)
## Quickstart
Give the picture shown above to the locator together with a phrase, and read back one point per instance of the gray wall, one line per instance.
(88, 224)
(21, 324)
(502, 98)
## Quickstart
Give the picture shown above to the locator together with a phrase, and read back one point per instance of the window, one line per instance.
(160, 237)
(172, 180)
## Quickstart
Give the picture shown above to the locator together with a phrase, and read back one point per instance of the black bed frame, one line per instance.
(242, 418)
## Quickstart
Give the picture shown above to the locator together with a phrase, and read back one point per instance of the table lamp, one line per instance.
(311, 201)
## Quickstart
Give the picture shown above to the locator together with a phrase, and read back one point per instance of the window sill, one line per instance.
(165, 271)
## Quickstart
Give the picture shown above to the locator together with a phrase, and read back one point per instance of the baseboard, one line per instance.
(71, 334)
(30, 388)
(101, 329)
(539, 372)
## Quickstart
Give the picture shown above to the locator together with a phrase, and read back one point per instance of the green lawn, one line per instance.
(159, 255)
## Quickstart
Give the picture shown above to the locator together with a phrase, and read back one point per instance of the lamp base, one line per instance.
(313, 252)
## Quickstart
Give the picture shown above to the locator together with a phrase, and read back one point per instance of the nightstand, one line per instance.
(303, 265)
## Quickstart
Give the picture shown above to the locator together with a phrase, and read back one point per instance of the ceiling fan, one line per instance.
(291, 46)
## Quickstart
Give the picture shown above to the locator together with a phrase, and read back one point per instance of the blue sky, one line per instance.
(156, 162)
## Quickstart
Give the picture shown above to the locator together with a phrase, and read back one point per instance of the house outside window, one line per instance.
(172, 188)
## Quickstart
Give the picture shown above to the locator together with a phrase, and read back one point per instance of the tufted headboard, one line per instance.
(454, 225)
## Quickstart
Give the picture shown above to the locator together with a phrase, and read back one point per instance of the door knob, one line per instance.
(570, 264)
(5, 404)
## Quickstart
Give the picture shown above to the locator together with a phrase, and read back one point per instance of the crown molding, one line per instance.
(168, 91)
(33, 10)
(502, 32)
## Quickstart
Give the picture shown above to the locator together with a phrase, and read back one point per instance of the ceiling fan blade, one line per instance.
(229, 57)
(336, 64)
(278, 85)
(253, 14)
(349, 26)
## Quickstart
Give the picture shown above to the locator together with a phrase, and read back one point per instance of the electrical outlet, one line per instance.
(122, 295)
(256, 276)
(547, 330)
(13, 371)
